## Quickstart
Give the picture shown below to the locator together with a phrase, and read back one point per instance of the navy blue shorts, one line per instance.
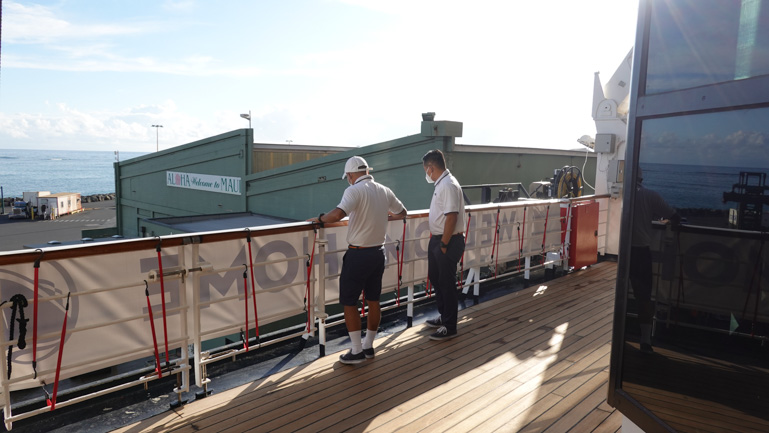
(362, 271)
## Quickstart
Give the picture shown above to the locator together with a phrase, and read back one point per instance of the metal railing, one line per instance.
(153, 298)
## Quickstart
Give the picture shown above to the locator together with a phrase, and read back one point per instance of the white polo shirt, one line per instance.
(447, 198)
(367, 203)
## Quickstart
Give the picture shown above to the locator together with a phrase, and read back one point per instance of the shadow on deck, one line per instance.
(534, 360)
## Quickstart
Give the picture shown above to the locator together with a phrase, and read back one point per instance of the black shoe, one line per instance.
(349, 358)
(434, 323)
(369, 353)
(443, 334)
(646, 348)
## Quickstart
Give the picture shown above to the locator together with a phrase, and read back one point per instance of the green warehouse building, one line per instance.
(228, 181)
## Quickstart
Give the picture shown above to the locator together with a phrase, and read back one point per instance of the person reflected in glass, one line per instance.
(649, 206)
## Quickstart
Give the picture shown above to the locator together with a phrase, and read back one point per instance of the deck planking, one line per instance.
(534, 360)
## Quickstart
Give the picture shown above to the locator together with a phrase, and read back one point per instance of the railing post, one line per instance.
(6, 395)
(320, 300)
(527, 267)
(183, 377)
(410, 255)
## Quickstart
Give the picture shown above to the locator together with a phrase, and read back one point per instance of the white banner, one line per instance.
(204, 182)
(108, 319)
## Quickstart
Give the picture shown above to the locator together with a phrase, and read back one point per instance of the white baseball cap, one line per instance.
(354, 165)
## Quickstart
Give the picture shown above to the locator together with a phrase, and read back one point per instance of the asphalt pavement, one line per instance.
(16, 233)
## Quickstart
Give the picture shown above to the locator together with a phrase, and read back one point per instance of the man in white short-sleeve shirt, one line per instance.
(369, 205)
(447, 242)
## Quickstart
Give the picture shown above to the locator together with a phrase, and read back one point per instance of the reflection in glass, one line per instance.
(696, 43)
(706, 367)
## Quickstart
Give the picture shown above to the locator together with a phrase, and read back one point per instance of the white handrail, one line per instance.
(203, 289)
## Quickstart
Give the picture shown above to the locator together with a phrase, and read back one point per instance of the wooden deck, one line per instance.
(536, 360)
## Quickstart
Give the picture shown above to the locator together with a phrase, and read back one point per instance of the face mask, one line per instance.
(428, 178)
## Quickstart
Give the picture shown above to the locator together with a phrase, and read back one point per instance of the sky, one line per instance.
(84, 75)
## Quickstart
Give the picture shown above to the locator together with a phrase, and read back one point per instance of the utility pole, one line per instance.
(157, 139)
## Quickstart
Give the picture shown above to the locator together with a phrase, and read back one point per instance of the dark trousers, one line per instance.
(442, 271)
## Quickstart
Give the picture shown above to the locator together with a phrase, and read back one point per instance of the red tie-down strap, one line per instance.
(307, 300)
(253, 285)
(244, 335)
(400, 248)
(462, 260)
(521, 237)
(152, 325)
(162, 296)
(564, 228)
(495, 243)
(52, 402)
(427, 284)
(544, 235)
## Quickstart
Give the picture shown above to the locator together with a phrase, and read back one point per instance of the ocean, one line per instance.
(694, 186)
(84, 172)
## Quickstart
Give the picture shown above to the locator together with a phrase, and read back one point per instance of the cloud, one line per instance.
(36, 24)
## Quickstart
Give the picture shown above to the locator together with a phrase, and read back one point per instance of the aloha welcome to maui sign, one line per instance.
(204, 182)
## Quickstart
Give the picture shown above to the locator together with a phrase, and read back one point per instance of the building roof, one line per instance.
(205, 223)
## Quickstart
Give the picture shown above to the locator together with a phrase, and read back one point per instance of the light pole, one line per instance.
(289, 142)
(248, 117)
(157, 137)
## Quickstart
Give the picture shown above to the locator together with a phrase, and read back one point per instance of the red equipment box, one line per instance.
(583, 249)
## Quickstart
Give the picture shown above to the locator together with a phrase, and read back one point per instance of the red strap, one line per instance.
(309, 271)
(401, 247)
(61, 351)
(253, 285)
(163, 298)
(245, 304)
(565, 229)
(544, 235)
(462, 260)
(427, 284)
(521, 238)
(152, 325)
(494, 245)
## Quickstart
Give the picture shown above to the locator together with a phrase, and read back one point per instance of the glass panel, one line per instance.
(696, 43)
(698, 311)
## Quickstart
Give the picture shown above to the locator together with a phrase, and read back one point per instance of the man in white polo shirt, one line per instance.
(447, 243)
(369, 204)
